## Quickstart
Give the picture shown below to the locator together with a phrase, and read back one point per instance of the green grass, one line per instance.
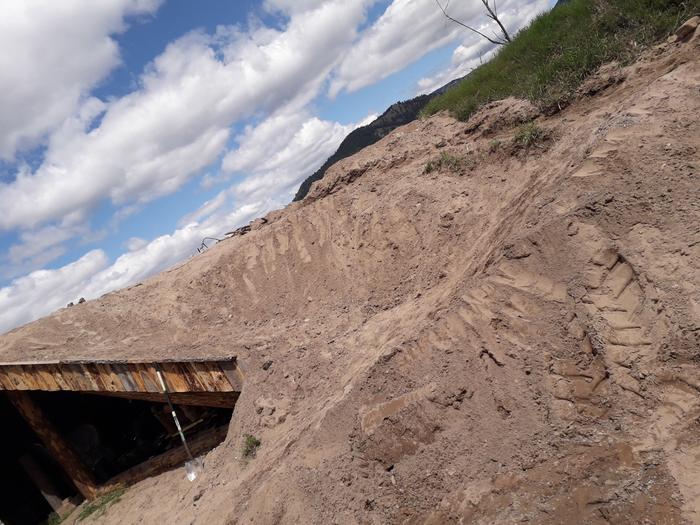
(548, 60)
(530, 135)
(98, 507)
(447, 161)
(53, 519)
(250, 446)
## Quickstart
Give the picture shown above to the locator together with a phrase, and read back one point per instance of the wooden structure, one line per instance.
(193, 382)
(204, 383)
(82, 478)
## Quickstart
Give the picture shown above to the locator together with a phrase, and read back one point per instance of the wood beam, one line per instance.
(200, 443)
(198, 399)
(59, 448)
(42, 481)
(183, 377)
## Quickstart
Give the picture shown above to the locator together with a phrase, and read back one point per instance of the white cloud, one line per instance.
(279, 153)
(475, 50)
(151, 141)
(291, 6)
(42, 291)
(135, 243)
(34, 242)
(409, 29)
(53, 53)
(38, 247)
(464, 59)
(368, 119)
(205, 210)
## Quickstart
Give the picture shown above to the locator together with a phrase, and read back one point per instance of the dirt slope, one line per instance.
(513, 341)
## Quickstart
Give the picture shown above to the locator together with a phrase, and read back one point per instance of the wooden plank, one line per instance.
(42, 481)
(202, 399)
(107, 376)
(133, 372)
(48, 379)
(198, 444)
(220, 380)
(87, 378)
(234, 374)
(97, 376)
(133, 377)
(73, 376)
(205, 376)
(186, 374)
(58, 377)
(5, 382)
(15, 375)
(200, 376)
(60, 449)
(116, 380)
(27, 381)
(173, 376)
(150, 379)
(215, 377)
(127, 383)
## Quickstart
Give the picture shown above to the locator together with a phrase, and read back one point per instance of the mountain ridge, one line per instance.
(398, 114)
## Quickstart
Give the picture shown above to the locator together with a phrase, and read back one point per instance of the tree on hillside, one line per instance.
(491, 12)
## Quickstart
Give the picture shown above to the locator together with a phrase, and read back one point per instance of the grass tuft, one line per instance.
(494, 146)
(447, 161)
(549, 59)
(53, 519)
(98, 507)
(530, 135)
(250, 446)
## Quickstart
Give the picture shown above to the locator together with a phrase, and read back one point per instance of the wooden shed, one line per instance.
(83, 427)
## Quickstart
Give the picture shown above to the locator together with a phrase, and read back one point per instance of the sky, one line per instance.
(132, 129)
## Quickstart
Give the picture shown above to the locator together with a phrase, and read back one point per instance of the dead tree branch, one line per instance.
(492, 13)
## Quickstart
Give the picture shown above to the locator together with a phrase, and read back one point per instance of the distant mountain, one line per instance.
(397, 115)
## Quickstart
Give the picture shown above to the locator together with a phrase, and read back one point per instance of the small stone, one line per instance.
(81, 300)
(266, 365)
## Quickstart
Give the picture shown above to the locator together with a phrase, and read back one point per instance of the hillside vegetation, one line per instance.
(546, 62)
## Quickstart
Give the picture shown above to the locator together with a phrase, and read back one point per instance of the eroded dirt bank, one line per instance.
(511, 337)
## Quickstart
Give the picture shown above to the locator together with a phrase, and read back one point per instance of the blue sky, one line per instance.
(131, 129)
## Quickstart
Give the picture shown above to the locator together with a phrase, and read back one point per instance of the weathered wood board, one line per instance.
(200, 399)
(181, 376)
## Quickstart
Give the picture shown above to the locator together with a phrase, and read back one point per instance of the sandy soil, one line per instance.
(516, 340)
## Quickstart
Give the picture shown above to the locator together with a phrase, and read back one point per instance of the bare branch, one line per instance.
(493, 15)
(497, 42)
